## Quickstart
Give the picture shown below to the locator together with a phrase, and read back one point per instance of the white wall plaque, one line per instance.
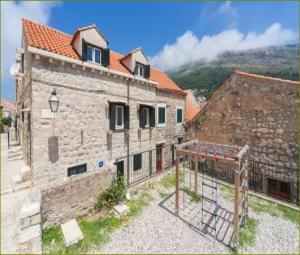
(47, 114)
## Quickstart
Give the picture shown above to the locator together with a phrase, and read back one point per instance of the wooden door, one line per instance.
(278, 189)
(158, 158)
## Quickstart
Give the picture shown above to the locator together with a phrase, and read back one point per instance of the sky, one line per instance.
(171, 34)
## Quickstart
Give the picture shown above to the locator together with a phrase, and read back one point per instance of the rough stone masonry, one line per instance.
(255, 110)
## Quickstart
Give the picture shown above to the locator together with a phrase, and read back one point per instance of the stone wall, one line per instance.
(23, 101)
(81, 124)
(260, 112)
(73, 198)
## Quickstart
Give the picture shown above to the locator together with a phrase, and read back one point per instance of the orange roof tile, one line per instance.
(164, 81)
(49, 39)
(8, 105)
(191, 106)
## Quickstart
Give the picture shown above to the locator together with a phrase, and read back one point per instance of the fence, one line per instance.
(277, 181)
(143, 165)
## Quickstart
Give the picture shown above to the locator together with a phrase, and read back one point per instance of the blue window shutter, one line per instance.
(147, 71)
(105, 57)
(142, 117)
(152, 117)
(126, 117)
(112, 116)
(84, 50)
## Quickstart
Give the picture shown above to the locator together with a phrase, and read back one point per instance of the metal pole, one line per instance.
(236, 207)
(177, 185)
(8, 139)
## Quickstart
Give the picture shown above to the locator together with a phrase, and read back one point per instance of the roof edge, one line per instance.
(258, 76)
(78, 30)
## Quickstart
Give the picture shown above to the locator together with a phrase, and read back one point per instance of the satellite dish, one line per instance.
(14, 69)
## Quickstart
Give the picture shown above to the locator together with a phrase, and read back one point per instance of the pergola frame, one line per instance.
(211, 151)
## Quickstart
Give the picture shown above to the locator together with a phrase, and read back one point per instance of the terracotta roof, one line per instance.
(164, 81)
(8, 105)
(49, 39)
(265, 77)
(191, 106)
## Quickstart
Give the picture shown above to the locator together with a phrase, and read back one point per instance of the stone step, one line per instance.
(121, 210)
(25, 173)
(15, 149)
(22, 185)
(16, 158)
(30, 233)
(16, 179)
(71, 232)
(14, 155)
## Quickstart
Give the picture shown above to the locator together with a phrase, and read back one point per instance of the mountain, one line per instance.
(205, 77)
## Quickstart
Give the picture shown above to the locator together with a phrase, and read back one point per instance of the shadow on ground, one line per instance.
(219, 227)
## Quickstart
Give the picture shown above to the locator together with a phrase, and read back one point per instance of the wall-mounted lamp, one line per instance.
(53, 101)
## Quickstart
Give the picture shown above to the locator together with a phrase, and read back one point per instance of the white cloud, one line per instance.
(11, 29)
(188, 48)
(226, 7)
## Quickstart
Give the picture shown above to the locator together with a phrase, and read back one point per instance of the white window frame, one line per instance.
(94, 55)
(147, 124)
(139, 72)
(178, 108)
(157, 115)
(116, 117)
(91, 61)
(94, 51)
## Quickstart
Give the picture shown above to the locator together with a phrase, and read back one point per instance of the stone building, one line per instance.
(7, 109)
(115, 112)
(262, 112)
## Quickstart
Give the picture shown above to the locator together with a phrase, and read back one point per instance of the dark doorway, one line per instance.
(120, 168)
(158, 158)
(279, 189)
(180, 140)
(173, 153)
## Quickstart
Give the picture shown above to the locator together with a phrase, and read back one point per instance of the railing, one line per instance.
(153, 162)
(274, 180)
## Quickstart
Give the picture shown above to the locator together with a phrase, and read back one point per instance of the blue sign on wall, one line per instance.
(101, 163)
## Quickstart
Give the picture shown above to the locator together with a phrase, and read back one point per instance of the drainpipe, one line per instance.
(127, 135)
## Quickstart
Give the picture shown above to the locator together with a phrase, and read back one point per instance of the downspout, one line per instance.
(127, 138)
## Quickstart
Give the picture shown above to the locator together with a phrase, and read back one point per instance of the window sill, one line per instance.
(161, 125)
(145, 128)
(91, 62)
(117, 130)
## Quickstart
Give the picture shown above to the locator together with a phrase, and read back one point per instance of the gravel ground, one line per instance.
(158, 230)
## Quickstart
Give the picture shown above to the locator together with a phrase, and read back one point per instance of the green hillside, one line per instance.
(206, 77)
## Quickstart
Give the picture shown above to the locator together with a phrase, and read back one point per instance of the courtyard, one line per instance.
(152, 227)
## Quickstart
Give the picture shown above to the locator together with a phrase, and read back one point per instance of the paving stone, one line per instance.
(30, 233)
(121, 210)
(30, 209)
(71, 232)
(29, 221)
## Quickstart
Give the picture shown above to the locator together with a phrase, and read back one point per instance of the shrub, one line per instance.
(7, 121)
(115, 194)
